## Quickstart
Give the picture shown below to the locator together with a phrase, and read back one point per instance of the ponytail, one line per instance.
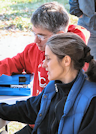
(91, 72)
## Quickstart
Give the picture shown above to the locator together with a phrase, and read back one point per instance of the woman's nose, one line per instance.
(44, 64)
(36, 39)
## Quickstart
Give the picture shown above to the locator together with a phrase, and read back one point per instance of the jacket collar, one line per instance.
(74, 92)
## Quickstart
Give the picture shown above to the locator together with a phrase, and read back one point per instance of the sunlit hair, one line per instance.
(51, 16)
(72, 45)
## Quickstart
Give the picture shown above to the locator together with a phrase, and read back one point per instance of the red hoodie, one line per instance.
(31, 60)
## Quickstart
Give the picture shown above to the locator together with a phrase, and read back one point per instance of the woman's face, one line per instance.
(53, 66)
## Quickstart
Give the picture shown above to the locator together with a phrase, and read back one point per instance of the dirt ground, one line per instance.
(12, 42)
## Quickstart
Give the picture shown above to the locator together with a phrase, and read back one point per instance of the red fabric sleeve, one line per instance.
(15, 64)
(81, 31)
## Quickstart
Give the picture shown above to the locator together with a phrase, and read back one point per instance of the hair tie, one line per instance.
(86, 50)
(88, 58)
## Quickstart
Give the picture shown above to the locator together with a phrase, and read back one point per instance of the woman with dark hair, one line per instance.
(65, 56)
(67, 105)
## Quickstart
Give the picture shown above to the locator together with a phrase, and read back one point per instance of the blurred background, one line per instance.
(15, 14)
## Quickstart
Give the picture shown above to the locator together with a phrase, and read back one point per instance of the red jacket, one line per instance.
(31, 60)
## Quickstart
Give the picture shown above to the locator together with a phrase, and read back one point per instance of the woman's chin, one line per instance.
(50, 78)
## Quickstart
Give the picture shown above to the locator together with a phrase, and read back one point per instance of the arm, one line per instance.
(16, 64)
(88, 125)
(12, 65)
(74, 8)
(22, 111)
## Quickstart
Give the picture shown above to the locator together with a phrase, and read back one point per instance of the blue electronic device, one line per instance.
(16, 85)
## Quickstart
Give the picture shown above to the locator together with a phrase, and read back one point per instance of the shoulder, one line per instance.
(32, 49)
(81, 31)
(31, 46)
(50, 87)
(89, 89)
(86, 95)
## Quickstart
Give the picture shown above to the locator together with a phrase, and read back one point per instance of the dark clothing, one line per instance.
(86, 8)
(95, 5)
(26, 130)
(26, 112)
(89, 122)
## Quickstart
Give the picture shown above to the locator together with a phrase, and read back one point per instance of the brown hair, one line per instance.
(72, 45)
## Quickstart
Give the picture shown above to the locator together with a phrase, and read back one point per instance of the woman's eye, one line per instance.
(48, 59)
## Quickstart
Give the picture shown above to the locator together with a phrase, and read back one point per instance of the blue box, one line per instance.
(15, 85)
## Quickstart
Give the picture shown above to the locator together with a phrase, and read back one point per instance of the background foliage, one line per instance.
(16, 14)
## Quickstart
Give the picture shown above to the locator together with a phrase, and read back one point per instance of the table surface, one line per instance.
(10, 100)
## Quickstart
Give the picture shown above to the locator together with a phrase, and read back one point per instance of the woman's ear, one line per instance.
(67, 60)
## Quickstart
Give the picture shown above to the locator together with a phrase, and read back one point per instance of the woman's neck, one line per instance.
(70, 76)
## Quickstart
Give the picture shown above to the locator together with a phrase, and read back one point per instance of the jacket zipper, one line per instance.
(55, 108)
